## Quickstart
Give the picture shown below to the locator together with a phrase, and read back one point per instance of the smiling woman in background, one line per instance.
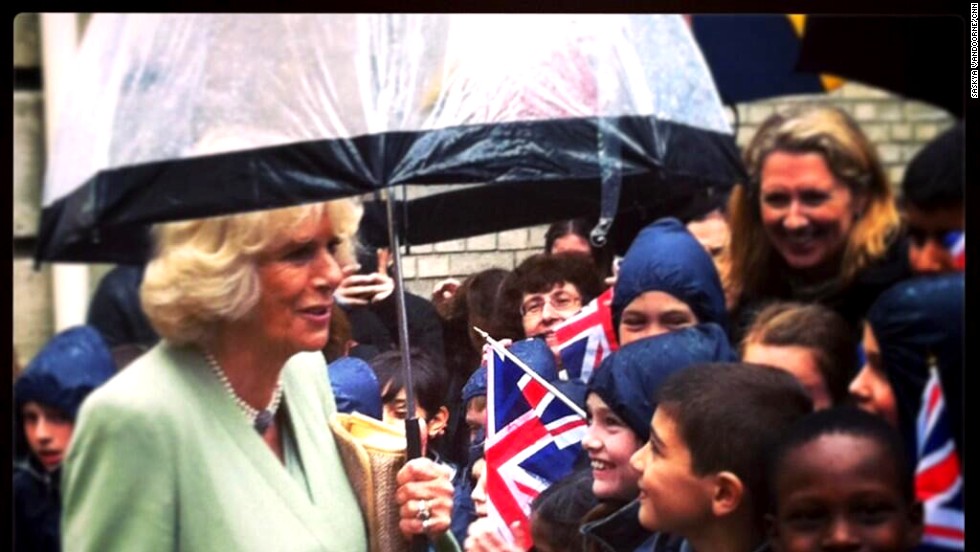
(816, 221)
(217, 438)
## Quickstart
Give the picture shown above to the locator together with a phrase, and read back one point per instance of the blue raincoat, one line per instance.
(627, 381)
(355, 387)
(666, 257)
(912, 320)
(61, 375)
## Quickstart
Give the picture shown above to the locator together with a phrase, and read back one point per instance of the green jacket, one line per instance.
(162, 459)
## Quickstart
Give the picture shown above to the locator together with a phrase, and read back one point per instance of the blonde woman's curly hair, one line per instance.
(205, 271)
(851, 158)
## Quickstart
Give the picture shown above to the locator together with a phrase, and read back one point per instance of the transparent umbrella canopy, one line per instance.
(182, 116)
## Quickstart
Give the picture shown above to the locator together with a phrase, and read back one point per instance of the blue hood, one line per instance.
(628, 380)
(355, 387)
(666, 257)
(910, 321)
(66, 370)
(476, 385)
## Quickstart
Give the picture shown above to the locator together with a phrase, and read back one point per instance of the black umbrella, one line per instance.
(919, 57)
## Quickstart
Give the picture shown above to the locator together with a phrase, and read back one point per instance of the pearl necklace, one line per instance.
(259, 420)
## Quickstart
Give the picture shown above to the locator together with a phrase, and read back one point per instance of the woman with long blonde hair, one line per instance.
(816, 221)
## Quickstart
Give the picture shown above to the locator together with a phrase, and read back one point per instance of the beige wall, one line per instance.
(897, 126)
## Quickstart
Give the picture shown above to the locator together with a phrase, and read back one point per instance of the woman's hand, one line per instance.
(361, 289)
(483, 536)
(425, 498)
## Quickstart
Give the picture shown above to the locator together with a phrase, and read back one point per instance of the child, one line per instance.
(47, 397)
(810, 341)
(557, 512)
(714, 425)
(932, 204)
(840, 481)
(620, 402)
(430, 384)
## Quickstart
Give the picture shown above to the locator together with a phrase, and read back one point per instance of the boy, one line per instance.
(47, 397)
(840, 481)
(932, 201)
(702, 476)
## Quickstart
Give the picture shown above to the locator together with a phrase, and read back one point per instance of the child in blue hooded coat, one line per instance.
(47, 397)
(913, 341)
(620, 403)
(666, 281)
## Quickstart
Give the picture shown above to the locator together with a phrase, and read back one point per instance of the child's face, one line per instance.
(797, 360)
(672, 497)
(842, 492)
(48, 432)
(476, 416)
(610, 443)
(871, 388)
(479, 494)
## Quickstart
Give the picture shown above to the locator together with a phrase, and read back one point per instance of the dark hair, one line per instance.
(558, 511)
(729, 415)
(581, 227)
(477, 297)
(846, 420)
(340, 336)
(538, 274)
(934, 178)
(429, 379)
(815, 327)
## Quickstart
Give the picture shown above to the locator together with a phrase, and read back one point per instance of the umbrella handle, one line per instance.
(413, 439)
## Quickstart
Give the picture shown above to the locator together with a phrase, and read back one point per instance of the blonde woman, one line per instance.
(816, 221)
(217, 438)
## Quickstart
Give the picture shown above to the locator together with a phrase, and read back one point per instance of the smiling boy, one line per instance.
(702, 476)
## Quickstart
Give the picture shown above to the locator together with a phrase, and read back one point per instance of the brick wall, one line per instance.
(898, 127)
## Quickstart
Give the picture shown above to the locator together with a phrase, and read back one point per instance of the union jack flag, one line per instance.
(585, 339)
(955, 243)
(534, 436)
(938, 478)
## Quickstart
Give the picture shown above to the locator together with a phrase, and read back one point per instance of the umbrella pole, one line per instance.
(412, 436)
(411, 422)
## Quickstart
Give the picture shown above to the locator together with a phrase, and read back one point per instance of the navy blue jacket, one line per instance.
(912, 320)
(666, 257)
(61, 375)
(628, 380)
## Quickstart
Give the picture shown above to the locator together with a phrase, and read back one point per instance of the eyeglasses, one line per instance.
(560, 301)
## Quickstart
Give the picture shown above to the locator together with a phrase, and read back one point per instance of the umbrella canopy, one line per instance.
(183, 116)
(752, 57)
(919, 57)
